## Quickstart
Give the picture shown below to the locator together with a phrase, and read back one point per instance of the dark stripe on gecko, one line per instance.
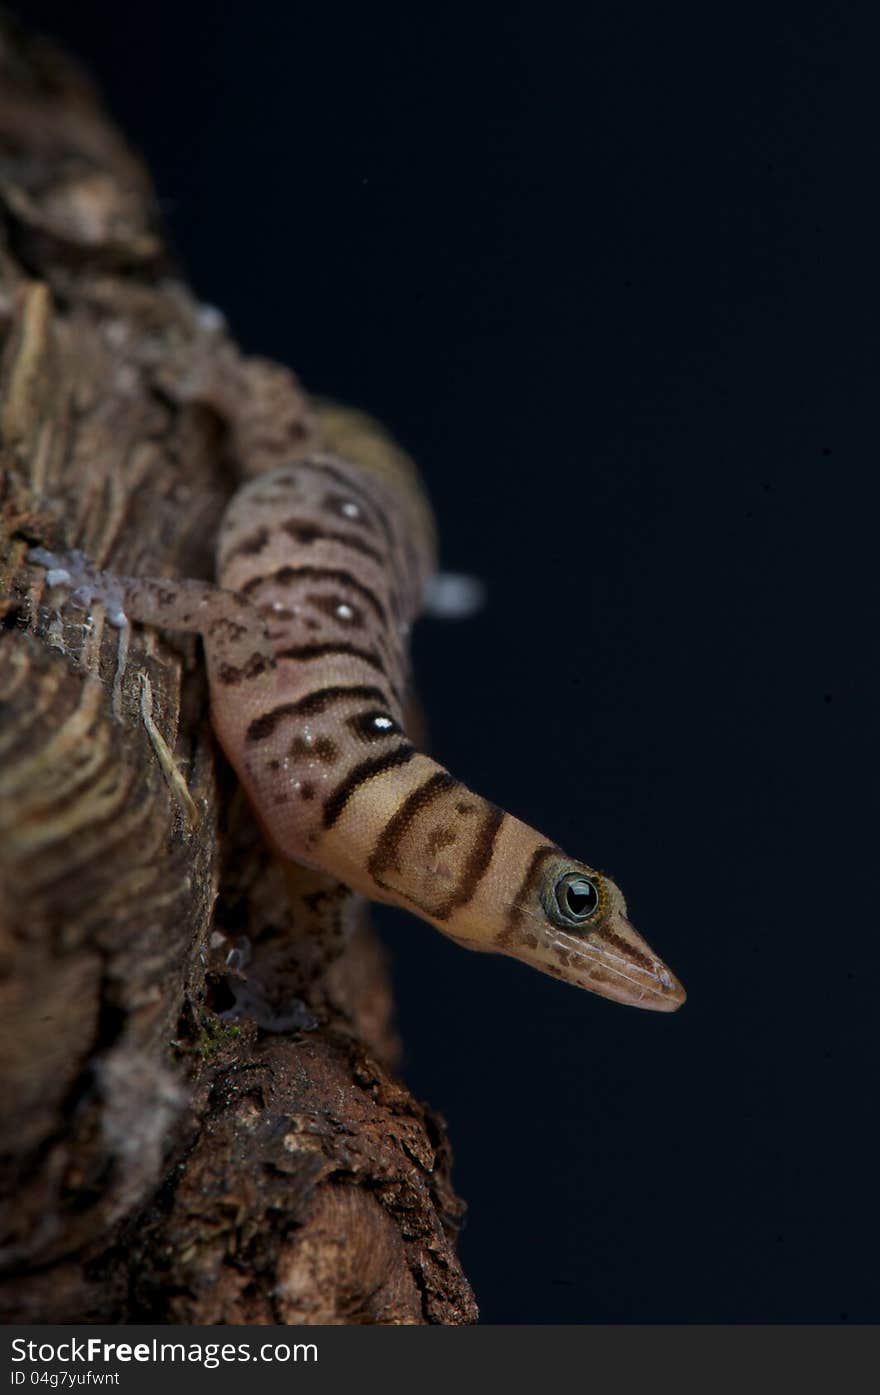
(356, 489)
(306, 533)
(477, 864)
(384, 853)
(338, 506)
(306, 652)
(249, 546)
(608, 937)
(352, 618)
(527, 885)
(373, 725)
(229, 674)
(367, 770)
(322, 698)
(285, 576)
(310, 705)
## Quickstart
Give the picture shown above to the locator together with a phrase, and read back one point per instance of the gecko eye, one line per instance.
(577, 897)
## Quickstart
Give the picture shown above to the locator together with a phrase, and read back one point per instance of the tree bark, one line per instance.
(160, 1161)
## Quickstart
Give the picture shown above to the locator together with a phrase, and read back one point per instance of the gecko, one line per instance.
(323, 565)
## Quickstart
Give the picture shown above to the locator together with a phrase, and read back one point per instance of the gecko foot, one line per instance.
(85, 582)
(291, 1015)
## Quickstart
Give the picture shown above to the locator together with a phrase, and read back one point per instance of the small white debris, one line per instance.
(211, 319)
(57, 576)
(383, 723)
(454, 596)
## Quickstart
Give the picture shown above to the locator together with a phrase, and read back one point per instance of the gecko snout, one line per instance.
(619, 964)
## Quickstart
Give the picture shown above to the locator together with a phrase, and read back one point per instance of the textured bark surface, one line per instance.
(159, 1161)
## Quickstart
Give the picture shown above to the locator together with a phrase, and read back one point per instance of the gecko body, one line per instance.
(322, 567)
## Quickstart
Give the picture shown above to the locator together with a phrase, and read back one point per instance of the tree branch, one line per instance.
(160, 1162)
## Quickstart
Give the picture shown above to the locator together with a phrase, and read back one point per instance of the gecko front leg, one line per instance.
(241, 662)
(239, 652)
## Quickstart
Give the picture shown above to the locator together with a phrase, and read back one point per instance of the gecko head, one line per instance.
(570, 921)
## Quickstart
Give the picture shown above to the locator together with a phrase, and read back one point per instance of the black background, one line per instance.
(609, 273)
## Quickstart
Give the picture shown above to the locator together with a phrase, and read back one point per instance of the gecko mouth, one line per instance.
(616, 963)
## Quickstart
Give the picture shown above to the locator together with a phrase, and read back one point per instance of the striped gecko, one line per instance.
(323, 566)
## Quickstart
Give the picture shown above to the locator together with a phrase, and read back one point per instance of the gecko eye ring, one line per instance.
(577, 898)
